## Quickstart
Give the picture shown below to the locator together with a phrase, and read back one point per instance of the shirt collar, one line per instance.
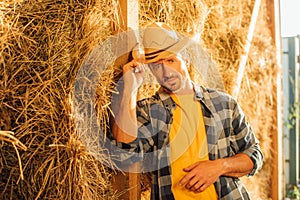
(197, 89)
(200, 95)
(198, 92)
(170, 103)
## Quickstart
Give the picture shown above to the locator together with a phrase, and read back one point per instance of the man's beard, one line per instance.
(182, 85)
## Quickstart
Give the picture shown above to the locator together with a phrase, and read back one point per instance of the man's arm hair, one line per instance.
(237, 165)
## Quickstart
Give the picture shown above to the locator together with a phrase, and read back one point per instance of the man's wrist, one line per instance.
(223, 166)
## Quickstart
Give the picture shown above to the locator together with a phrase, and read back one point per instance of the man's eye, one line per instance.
(171, 60)
(155, 66)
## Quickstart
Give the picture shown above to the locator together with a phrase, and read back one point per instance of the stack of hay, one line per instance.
(43, 44)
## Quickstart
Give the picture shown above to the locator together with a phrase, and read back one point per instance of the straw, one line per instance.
(43, 45)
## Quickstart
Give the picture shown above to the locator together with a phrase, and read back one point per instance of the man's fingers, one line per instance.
(201, 188)
(139, 68)
(189, 168)
(191, 183)
(135, 66)
(136, 70)
(131, 65)
(186, 179)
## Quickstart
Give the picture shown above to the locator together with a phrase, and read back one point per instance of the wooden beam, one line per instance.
(277, 186)
(127, 185)
(127, 16)
(273, 20)
(244, 57)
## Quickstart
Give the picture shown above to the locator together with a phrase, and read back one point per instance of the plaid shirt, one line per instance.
(228, 133)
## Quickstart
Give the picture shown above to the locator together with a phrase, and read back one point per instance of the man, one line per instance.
(199, 140)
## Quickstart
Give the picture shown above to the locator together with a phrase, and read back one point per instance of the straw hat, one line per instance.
(159, 42)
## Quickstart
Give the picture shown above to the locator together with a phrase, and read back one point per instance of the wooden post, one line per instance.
(127, 17)
(277, 186)
(125, 184)
(247, 46)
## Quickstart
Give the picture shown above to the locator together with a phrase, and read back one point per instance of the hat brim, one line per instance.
(151, 55)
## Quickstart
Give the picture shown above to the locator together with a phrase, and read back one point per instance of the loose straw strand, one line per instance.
(8, 137)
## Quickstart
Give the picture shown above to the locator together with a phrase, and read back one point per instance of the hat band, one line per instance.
(154, 54)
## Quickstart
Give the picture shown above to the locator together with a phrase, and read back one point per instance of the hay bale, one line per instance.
(44, 44)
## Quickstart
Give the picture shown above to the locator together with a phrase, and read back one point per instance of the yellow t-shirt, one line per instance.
(188, 145)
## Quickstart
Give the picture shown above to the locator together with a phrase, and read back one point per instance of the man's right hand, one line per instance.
(133, 73)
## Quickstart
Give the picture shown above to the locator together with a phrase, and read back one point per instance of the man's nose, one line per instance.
(167, 72)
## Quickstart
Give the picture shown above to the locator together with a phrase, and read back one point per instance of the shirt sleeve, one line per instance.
(245, 140)
(123, 154)
(126, 154)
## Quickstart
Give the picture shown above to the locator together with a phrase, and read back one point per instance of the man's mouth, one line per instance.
(170, 80)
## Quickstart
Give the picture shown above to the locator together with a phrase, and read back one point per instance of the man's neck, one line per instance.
(187, 89)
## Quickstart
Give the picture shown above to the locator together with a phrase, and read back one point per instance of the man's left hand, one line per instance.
(201, 175)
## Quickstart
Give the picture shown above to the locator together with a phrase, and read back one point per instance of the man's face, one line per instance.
(170, 73)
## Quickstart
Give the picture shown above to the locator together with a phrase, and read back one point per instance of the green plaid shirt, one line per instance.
(228, 133)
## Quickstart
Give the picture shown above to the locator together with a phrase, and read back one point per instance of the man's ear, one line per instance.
(187, 62)
(185, 57)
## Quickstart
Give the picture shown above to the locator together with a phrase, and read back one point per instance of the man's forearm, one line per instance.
(237, 166)
(125, 126)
